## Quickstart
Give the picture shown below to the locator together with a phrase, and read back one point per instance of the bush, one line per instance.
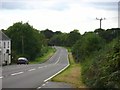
(104, 67)
(88, 44)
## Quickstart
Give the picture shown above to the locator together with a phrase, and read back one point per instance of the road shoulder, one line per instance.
(71, 75)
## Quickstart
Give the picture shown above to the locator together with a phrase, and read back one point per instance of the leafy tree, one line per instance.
(89, 43)
(26, 41)
(48, 33)
(57, 32)
(108, 34)
(59, 39)
(73, 36)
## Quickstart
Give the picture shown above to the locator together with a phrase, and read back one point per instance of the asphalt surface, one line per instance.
(34, 75)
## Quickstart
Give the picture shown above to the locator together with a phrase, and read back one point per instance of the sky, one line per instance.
(60, 15)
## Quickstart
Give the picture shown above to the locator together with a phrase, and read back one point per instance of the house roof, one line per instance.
(3, 36)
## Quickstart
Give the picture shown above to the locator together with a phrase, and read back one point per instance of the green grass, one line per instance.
(71, 75)
(45, 57)
(68, 48)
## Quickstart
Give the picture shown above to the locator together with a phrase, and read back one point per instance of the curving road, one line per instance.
(35, 75)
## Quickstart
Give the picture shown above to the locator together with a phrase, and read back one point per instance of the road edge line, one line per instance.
(59, 71)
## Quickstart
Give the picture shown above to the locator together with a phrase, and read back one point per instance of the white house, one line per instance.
(5, 49)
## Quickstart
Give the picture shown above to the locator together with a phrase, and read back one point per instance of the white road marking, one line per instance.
(40, 67)
(1, 77)
(17, 73)
(32, 69)
(44, 66)
(58, 72)
(43, 85)
(57, 60)
(39, 87)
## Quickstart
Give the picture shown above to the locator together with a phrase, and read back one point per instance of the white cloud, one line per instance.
(63, 15)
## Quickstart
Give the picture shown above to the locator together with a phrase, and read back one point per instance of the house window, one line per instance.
(4, 57)
(0, 44)
(0, 47)
(8, 44)
(4, 44)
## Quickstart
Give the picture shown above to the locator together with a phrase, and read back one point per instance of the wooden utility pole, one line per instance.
(22, 45)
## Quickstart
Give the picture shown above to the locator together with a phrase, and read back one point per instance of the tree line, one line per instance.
(97, 51)
(99, 54)
(32, 43)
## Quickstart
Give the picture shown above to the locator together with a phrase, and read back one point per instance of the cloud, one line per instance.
(34, 4)
(105, 5)
(12, 5)
(57, 4)
(58, 15)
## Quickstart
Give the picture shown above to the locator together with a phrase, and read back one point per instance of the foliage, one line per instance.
(59, 39)
(108, 34)
(65, 39)
(89, 43)
(99, 53)
(73, 36)
(26, 41)
(103, 69)
(48, 52)
(48, 33)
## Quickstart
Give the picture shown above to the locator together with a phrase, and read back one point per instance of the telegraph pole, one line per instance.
(100, 19)
(22, 45)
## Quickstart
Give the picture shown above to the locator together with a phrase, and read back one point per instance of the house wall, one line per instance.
(0, 65)
(6, 51)
(0, 53)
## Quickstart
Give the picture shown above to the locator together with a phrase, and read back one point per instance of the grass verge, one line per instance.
(45, 57)
(71, 75)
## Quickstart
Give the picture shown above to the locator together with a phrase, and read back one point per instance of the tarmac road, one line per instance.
(34, 75)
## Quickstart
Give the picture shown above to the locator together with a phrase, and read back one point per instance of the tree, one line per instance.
(108, 34)
(57, 32)
(73, 36)
(48, 33)
(26, 41)
(89, 43)
(59, 39)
